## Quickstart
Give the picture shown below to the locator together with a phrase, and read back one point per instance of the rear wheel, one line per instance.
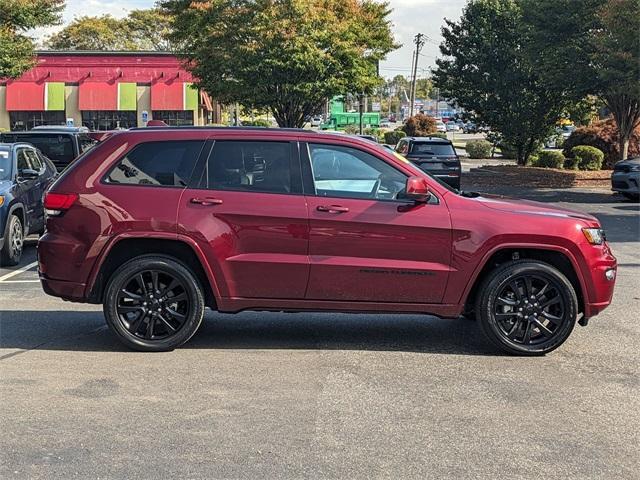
(527, 307)
(154, 303)
(13, 243)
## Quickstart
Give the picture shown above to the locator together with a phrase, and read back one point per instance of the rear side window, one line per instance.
(432, 148)
(249, 166)
(162, 164)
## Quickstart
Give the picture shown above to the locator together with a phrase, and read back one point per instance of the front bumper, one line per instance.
(603, 272)
(626, 182)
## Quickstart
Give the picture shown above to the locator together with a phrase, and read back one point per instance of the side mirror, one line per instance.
(417, 190)
(28, 174)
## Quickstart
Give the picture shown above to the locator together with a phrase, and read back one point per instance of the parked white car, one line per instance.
(316, 121)
(441, 127)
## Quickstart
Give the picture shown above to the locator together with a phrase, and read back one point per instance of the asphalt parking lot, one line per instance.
(271, 395)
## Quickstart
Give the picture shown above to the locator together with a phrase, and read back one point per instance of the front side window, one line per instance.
(167, 164)
(34, 160)
(249, 166)
(347, 172)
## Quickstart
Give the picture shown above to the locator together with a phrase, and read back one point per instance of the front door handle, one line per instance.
(206, 201)
(332, 208)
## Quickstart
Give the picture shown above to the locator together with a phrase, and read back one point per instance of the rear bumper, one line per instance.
(71, 291)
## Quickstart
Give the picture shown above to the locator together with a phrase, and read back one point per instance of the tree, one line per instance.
(424, 88)
(288, 56)
(486, 71)
(590, 47)
(141, 30)
(17, 17)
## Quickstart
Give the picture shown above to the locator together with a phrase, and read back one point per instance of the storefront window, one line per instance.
(174, 118)
(28, 120)
(102, 120)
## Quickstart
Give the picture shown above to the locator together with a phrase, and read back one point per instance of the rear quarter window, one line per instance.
(160, 164)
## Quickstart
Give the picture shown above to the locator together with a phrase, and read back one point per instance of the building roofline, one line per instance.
(104, 53)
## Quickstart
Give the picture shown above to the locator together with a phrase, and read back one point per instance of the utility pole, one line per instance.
(419, 41)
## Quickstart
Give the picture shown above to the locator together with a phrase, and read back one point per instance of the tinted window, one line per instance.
(158, 163)
(250, 166)
(34, 161)
(22, 160)
(348, 172)
(56, 147)
(433, 148)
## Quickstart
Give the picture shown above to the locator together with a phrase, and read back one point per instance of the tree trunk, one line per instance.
(626, 113)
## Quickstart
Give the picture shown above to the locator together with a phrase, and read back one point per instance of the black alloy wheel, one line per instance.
(154, 303)
(527, 307)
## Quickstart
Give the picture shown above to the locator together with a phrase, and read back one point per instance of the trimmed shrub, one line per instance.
(258, 122)
(604, 136)
(478, 149)
(587, 158)
(438, 135)
(393, 137)
(549, 159)
(420, 125)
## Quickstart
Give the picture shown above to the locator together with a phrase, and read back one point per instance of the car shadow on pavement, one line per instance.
(86, 331)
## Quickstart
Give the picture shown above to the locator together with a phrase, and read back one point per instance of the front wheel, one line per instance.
(153, 303)
(13, 243)
(527, 307)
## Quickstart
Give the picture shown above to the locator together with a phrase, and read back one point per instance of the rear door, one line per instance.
(37, 190)
(366, 244)
(248, 214)
(27, 188)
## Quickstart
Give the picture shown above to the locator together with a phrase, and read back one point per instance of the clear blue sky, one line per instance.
(409, 17)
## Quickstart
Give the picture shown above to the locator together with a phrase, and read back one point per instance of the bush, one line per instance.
(478, 149)
(587, 158)
(352, 129)
(420, 125)
(393, 137)
(258, 122)
(604, 136)
(438, 135)
(549, 159)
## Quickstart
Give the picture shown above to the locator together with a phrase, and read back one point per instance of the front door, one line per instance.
(249, 216)
(366, 244)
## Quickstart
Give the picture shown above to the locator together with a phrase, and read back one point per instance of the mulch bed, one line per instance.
(533, 177)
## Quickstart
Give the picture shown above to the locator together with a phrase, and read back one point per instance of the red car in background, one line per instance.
(159, 223)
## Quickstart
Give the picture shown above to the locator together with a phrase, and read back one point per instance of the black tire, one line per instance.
(11, 252)
(515, 325)
(153, 303)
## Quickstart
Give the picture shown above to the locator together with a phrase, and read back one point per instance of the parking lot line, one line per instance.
(17, 272)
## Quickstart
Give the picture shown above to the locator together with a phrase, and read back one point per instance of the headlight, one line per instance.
(595, 236)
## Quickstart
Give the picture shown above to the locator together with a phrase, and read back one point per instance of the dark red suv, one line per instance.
(159, 223)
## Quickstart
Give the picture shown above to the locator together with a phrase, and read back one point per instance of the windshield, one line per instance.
(55, 146)
(5, 163)
(426, 148)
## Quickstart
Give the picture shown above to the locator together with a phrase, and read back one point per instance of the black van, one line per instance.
(61, 145)
(434, 155)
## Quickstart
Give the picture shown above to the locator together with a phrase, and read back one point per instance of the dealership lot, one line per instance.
(322, 395)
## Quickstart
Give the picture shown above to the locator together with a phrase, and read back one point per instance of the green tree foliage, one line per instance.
(288, 56)
(17, 17)
(485, 70)
(590, 47)
(141, 30)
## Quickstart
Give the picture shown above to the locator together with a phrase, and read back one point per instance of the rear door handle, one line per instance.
(206, 201)
(332, 208)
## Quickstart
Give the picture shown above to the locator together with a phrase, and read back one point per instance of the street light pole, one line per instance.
(419, 41)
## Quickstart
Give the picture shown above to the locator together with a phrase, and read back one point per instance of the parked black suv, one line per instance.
(61, 144)
(434, 155)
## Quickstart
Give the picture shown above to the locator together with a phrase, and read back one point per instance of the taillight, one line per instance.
(56, 203)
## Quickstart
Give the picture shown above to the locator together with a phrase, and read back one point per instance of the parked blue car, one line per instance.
(25, 174)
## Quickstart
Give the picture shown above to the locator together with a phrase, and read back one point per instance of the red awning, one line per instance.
(98, 96)
(25, 96)
(167, 96)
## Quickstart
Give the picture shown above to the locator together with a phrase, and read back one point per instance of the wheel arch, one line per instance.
(125, 248)
(559, 258)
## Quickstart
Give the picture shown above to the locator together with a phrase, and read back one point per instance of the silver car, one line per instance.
(626, 178)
